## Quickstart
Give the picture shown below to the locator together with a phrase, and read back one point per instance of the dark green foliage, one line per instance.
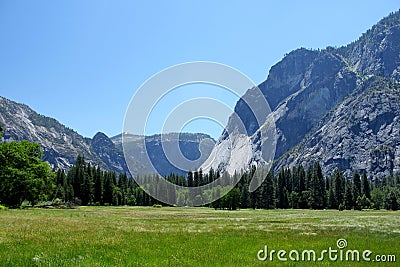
(291, 188)
(317, 188)
(268, 193)
(282, 201)
(231, 200)
(363, 202)
(348, 196)
(356, 189)
(332, 203)
(339, 187)
(23, 174)
(392, 199)
(365, 187)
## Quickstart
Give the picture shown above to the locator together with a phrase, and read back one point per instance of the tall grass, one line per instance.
(146, 236)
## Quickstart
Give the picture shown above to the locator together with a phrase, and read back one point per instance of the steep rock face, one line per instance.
(300, 90)
(303, 88)
(108, 152)
(377, 50)
(362, 133)
(325, 84)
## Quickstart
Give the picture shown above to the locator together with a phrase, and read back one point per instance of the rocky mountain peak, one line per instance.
(306, 86)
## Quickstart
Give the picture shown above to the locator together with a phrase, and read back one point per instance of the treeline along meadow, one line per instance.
(25, 177)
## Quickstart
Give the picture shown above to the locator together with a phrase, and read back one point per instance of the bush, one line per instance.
(363, 202)
(157, 206)
(132, 200)
(3, 207)
(57, 202)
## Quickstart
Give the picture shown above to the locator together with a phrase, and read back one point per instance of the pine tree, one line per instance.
(332, 204)
(339, 187)
(87, 187)
(268, 193)
(196, 179)
(282, 201)
(356, 189)
(108, 189)
(309, 176)
(211, 175)
(98, 186)
(317, 189)
(61, 185)
(190, 179)
(245, 194)
(348, 196)
(365, 187)
(201, 178)
(301, 174)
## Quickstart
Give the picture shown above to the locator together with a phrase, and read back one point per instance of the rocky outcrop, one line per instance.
(362, 133)
(308, 85)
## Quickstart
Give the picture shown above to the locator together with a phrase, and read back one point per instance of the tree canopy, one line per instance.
(23, 174)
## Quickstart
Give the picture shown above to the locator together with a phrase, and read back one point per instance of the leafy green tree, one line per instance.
(363, 202)
(377, 198)
(392, 200)
(294, 200)
(23, 174)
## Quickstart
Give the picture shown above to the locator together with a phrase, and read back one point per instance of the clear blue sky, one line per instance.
(81, 61)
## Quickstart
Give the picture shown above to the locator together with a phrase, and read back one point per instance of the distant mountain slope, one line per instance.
(308, 84)
(62, 145)
(194, 147)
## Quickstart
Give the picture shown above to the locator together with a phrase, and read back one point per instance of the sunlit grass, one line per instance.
(146, 236)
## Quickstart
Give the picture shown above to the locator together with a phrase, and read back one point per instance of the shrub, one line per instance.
(3, 207)
(157, 206)
(341, 207)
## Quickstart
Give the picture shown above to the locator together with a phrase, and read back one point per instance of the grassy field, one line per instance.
(147, 236)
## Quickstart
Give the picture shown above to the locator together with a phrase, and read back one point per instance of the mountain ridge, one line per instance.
(305, 86)
(61, 145)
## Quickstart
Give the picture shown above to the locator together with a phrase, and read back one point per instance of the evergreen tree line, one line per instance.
(300, 188)
(294, 188)
(84, 184)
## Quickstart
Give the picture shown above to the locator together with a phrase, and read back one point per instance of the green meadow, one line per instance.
(172, 236)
